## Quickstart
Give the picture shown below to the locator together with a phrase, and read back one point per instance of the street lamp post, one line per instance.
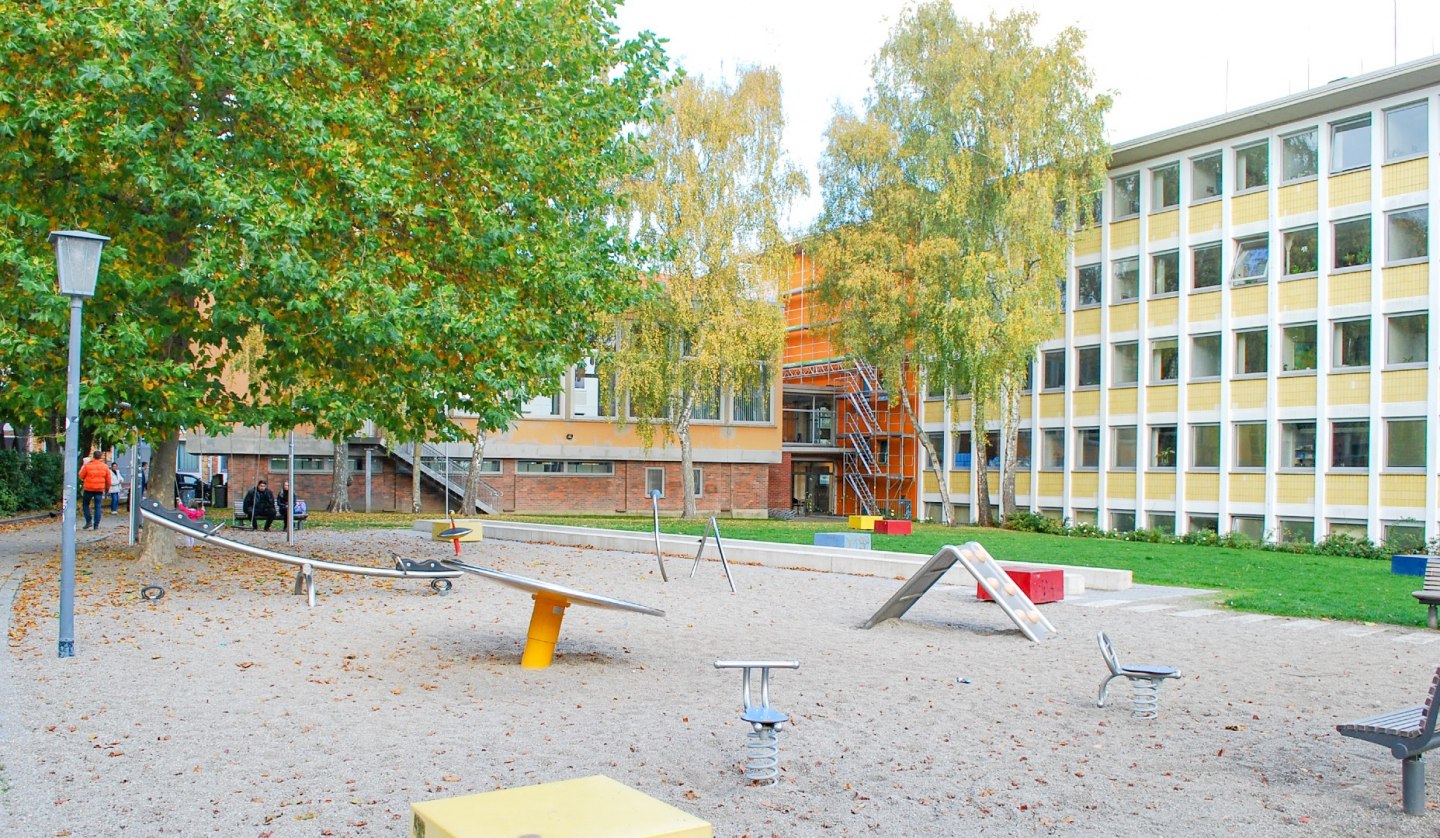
(77, 262)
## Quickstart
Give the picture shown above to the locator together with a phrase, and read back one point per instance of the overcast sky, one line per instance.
(1164, 67)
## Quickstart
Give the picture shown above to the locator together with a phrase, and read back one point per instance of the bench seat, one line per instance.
(1408, 732)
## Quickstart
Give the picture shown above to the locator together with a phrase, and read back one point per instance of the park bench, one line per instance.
(1408, 733)
(1430, 594)
(237, 512)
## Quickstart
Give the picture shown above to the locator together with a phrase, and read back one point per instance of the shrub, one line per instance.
(1027, 521)
(29, 482)
(1340, 544)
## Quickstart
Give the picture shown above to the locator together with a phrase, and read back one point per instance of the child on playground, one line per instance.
(193, 514)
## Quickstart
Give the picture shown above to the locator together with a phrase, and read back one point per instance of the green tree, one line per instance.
(961, 182)
(711, 209)
(322, 212)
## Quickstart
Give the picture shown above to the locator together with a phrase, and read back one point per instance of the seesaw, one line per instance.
(551, 600)
(151, 510)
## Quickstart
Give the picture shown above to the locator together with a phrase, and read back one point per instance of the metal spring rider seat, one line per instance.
(1144, 680)
(762, 752)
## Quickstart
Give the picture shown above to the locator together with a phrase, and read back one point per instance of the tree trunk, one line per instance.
(470, 503)
(935, 458)
(340, 478)
(687, 460)
(415, 477)
(982, 463)
(157, 544)
(1009, 427)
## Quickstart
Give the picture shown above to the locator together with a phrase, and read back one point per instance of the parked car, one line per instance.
(188, 487)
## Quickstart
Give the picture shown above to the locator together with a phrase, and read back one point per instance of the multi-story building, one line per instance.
(1247, 342)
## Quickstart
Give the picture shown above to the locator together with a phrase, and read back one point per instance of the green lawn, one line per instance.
(1250, 580)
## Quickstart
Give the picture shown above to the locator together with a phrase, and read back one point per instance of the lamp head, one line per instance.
(77, 260)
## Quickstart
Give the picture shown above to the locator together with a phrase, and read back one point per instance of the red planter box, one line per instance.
(892, 527)
(1039, 585)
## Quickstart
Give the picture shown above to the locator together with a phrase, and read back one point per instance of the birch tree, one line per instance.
(711, 210)
(979, 144)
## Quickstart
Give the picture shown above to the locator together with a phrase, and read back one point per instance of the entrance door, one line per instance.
(814, 487)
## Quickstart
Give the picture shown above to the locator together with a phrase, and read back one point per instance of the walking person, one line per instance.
(284, 503)
(260, 503)
(117, 483)
(95, 481)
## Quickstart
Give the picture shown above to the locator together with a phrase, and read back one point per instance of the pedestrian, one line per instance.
(95, 480)
(260, 503)
(193, 514)
(285, 503)
(144, 477)
(117, 483)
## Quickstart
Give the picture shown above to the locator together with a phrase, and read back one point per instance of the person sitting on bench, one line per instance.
(260, 503)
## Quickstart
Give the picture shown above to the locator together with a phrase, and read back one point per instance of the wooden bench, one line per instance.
(1408, 733)
(1430, 594)
(237, 511)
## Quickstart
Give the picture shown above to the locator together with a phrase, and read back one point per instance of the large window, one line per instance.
(1298, 348)
(1205, 178)
(593, 392)
(1161, 522)
(1407, 131)
(1205, 356)
(1352, 343)
(1126, 195)
(1252, 259)
(1124, 447)
(1205, 446)
(1122, 521)
(1405, 443)
(961, 454)
(1407, 234)
(1164, 361)
(1252, 352)
(1054, 369)
(1087, 448)
(1206, 264)
(1297, 531)
(1352, 243)
(1087, 366)
(1252, 166)
(707, 405)
(1165, 187)
(808, 419)
(1204, 523)
(654, 482)
(1127, 278)
(1126, 369)
(1250, 526)
(752, 404)
(1350, 144)
(1300, 155)
(1163, 440)
(1302, 251)
(1407, 338)
(1052, 449)
(1350, 444)
(1249, 444)
(564, 467)
(1165, 272)
(542, 406)
(1087, 285)
(1297, 445)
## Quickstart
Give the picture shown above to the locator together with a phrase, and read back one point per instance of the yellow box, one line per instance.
(1164, 225)
(1205, 217)
(1352, 188)
(1403, 178)
(1250, 208)
(474, 525)
(587, 807)
(1299, 198)
(864, 522)
(1124, 234)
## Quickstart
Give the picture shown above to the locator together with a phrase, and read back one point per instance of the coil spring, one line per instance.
(762, 754)
(1145, 697)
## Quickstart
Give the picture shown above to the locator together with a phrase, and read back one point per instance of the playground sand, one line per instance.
(230, 708)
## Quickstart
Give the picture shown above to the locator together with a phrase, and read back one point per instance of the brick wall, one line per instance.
(389, 486)
(780, 490)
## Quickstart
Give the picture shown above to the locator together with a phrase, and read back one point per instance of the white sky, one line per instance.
(1164, 67)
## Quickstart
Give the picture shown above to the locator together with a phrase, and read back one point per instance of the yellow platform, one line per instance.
(864, 522)
(472, 524)
(587, 807)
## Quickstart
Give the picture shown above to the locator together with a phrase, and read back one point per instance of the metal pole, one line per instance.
(655, 506)
(72, 471)
(290, 498)
(447, 480)
(134, 510)
(368, 453)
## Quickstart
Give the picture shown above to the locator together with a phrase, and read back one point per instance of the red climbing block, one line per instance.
(892, 527)
(1039, 585)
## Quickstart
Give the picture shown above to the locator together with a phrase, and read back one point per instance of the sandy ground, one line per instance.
(230, 708)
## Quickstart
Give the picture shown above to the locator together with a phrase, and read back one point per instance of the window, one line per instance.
(563, 467)
(1250, 445)
(593, 393)
(697, 477)
(1252, 259)
(1022, 449)
(1053, 450)
(1352, 343)
(1250, 526)
(1127, 278)
(542, 406)
(1163, 439)
(1165, 273)
(1087, 285)
(1205, 178)
(279, 465)
(1298, 350)
(1126, 195)
(1205, 446)
(1350, 444)
(1164, 361)
(1126, 369)
(1165, 187)
(1296, 530)
(1300, 155)
(1252, 352)
(1404, 443)
(1407, 339)
(752, 404)
(1352, 243)
(1161, 522)
(1252, 166)
(707, 405)
(1407, 131)
(1354, 529)
(1204, 523)
(1297, 445)
(1407, 234)
(1124, 439)
(1205, 264)
(1302, 254)
(1404, 536)
(961, 454)
(1205, 356)
(1350, 144)
(1086, 516)
(1087, 444)
(1064, 301)
(654, 481)
(1097, 208)
(1087, 366)
(1055, 369)
(1122, 521)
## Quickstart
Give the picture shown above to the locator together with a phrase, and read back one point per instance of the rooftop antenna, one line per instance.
(1395, 31)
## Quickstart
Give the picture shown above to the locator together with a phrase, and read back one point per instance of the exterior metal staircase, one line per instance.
(432, 465)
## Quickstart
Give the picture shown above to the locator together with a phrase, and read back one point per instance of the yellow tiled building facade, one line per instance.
(1247, 342)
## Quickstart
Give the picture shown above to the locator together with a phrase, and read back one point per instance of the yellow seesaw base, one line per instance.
(544, 631)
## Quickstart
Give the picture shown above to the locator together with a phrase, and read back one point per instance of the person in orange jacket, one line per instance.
(95, 480)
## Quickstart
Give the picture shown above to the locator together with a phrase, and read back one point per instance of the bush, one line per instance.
(29, 482)
(1340, 544)
(1027, 521)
